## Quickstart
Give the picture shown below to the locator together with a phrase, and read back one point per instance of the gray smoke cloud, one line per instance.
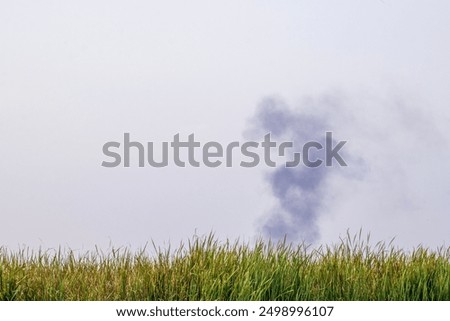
(298, 190)
(396, 183)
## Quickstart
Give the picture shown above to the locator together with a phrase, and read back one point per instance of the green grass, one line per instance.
(206, 269)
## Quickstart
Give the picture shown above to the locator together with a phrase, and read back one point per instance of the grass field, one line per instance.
(205, 269)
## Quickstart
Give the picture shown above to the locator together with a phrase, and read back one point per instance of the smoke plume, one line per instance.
(298, 190)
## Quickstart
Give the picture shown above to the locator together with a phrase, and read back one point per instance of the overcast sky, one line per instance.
(77, 74)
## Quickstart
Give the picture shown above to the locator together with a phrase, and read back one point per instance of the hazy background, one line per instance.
(74, 75)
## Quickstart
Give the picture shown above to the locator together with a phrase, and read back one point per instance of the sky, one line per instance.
(75, 75)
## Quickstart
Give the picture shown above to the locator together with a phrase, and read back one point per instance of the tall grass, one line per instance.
(206, 269)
